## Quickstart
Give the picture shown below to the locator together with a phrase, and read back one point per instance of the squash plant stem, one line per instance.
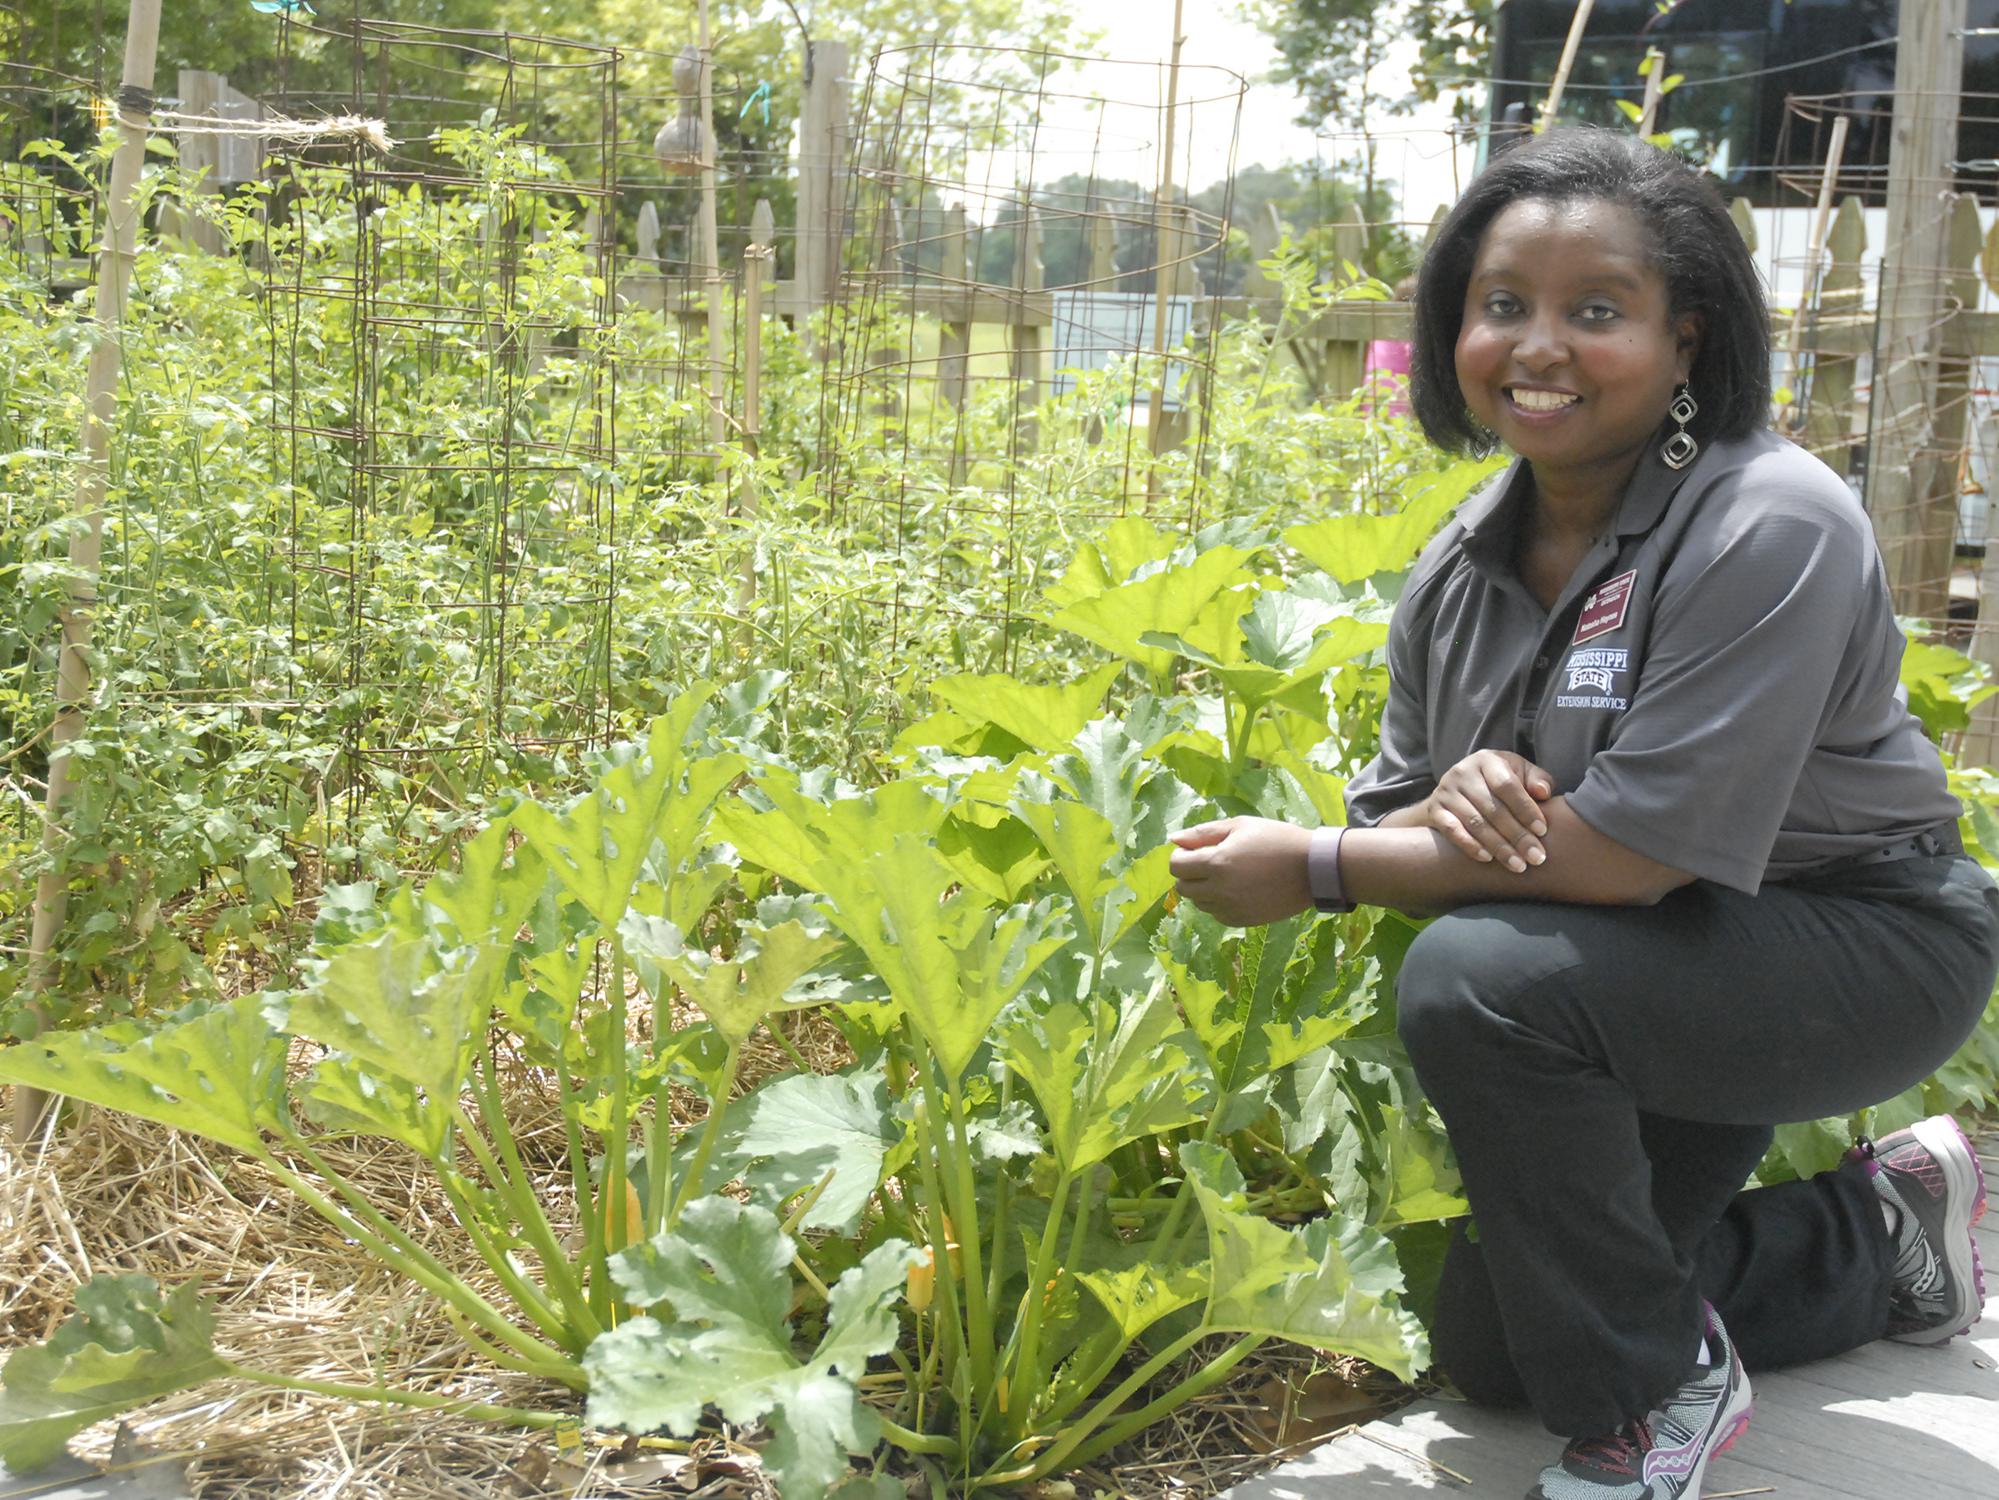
(978, 1312)
(574, 1325)
(618, 1137)
(477, 1410)
(955, 1358)
(516, 1184)
(402, 1254)
(711, 1136)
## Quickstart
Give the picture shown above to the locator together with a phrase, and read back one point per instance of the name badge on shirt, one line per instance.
(1603, 611)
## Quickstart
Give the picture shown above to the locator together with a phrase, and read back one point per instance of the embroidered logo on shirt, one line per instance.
(1597, 669)
(1603, 611)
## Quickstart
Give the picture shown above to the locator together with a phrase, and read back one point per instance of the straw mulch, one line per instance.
(116, 1194)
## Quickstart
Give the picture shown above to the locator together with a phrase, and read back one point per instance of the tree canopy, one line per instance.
(1337, 54)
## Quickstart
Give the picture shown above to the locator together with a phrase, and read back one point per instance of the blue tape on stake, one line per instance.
(282, 8)
(758, 95)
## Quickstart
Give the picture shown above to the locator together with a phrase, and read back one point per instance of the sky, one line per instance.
(1230, 105)
(1237, 108)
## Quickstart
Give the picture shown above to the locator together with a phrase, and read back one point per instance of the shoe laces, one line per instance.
(1617, 1452)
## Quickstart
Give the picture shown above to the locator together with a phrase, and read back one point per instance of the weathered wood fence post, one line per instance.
(886, 303)
(1911, 483)
(1829, 408)
(1024, 339)
(1345, 359)
(1101, 238)
(954, 276)
(822, 180)
(1164, 240)
(1792, 414)
(226, 159)
(1266, 232)
(709, 245)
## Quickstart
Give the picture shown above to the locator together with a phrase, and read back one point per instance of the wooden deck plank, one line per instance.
(1887, 1422)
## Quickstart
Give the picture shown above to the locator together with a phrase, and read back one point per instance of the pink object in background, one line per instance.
(1385, 368)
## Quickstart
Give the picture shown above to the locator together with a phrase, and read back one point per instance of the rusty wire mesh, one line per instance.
(1023, 332)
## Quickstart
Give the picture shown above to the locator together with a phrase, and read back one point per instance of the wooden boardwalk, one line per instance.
(1888, 1422)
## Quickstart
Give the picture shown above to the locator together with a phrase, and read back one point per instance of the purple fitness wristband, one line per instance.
(1322, 870)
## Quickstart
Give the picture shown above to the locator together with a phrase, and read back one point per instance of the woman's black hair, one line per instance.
(1694, 245)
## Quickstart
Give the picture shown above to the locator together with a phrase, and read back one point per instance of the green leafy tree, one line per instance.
(1333, 49)
(1343, 57)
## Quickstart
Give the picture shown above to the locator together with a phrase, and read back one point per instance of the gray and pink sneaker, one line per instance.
(1662, 1455)
(1930, 1180)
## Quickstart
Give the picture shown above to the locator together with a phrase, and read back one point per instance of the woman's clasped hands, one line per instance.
(1488, 805)
(1248, 871)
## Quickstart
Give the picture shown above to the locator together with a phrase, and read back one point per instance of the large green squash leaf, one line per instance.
(1327, 1285)
(800, 834)
(1260, 1000)
(122, 1347)
(220, 1073)
(795, 1129)
(1126, 545)
(1121, 619)
(1356, 547)
(346, 1097)
(1267, 645)
(404, 1008)
(598, 844)
(1138, 1296)
(950, 960)
(1109, 771)
(992, 850)
(726, 1272)
(735, 993)
(1105, 1077)
(490, 895)
(1423, 1182)
(1110, 890)
(1040, 717)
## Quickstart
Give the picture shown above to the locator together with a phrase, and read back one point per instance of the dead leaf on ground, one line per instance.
(1296, 1413)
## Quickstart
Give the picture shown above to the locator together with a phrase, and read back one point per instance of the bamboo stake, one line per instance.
(711, 248)
(1794, 411)
(1569, 50)
(757, 259)
(114, 279)
(1167, 251)
(1655, 71)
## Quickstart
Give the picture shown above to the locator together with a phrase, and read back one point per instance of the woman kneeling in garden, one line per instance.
(1646, 751)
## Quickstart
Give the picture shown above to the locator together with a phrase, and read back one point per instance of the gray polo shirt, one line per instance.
(1717, 687)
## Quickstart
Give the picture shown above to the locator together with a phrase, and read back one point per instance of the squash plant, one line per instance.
(1017, 1212)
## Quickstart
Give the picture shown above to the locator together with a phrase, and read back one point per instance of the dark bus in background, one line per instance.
(1741, 60)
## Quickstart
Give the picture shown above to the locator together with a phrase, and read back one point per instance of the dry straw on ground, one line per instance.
(113, 1194)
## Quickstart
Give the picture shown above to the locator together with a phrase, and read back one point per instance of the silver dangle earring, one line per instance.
(1680, 449)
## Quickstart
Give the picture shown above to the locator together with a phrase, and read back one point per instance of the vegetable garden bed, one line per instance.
(820, 1084)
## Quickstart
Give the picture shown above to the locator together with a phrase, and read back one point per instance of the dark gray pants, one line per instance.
(1609, 1077)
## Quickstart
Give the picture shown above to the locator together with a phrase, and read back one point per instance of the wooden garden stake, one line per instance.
(1648, 113)
(711, 249)
(114, 279)
(1569, 50)
(1166, 253)
(1794, 409)
(757, 260)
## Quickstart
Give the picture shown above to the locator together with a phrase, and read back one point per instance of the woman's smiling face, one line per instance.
(1569, 351)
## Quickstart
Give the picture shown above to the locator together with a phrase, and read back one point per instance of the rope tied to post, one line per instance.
(370, 132)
